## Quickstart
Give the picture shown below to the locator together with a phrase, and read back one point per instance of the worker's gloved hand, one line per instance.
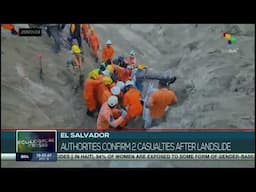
(123, 113)
(14, 32)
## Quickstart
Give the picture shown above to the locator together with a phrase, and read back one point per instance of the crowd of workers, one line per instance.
(112, 92)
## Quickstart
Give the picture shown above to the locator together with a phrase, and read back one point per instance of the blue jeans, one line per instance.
(139, 85)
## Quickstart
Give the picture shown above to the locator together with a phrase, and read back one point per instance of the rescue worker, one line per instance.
(105, 118)
(103, 91)
(121, 86)
(53, 30)
(123, 74)
(112, 73)
(138, 72)
(89, 92)
(85, 32)
(132, 101)
(116, 91)
(101, 75)
(10, 27)
(116, 112)
(77, 58)
(108, 51)
(75, 33)
(94, 44)
(159, 102)
(131, 59)
(76, 65)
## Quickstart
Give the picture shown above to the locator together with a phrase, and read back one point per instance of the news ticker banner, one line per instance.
(48, 145)
(145, 156)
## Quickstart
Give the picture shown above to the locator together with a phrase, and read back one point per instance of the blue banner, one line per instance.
(134, 142)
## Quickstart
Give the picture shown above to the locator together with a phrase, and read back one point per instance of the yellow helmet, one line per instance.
(107, 80)
(94, 74)
(141, 66)
(76, 49)
(110, 68)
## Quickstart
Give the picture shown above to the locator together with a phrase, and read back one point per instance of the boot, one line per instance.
(97, 59)
(90, 113)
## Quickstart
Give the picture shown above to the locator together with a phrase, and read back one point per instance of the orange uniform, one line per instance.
(103, 93)
(131, 100)
(89, 93)
(159, 100)
(94, 43)
(8, 26)
(85, 30)
(107, 53)
(100, 77)
(105, 118)
(123, 74)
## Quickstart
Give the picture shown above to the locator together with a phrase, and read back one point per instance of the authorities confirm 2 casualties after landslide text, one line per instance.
(145, 146)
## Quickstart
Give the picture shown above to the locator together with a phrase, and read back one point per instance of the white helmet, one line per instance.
(112, 101)
(106, 73)
(130, 67)
(120, 84)
(108, 42)
(132, 53)
(115, 90)
(129, 82)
